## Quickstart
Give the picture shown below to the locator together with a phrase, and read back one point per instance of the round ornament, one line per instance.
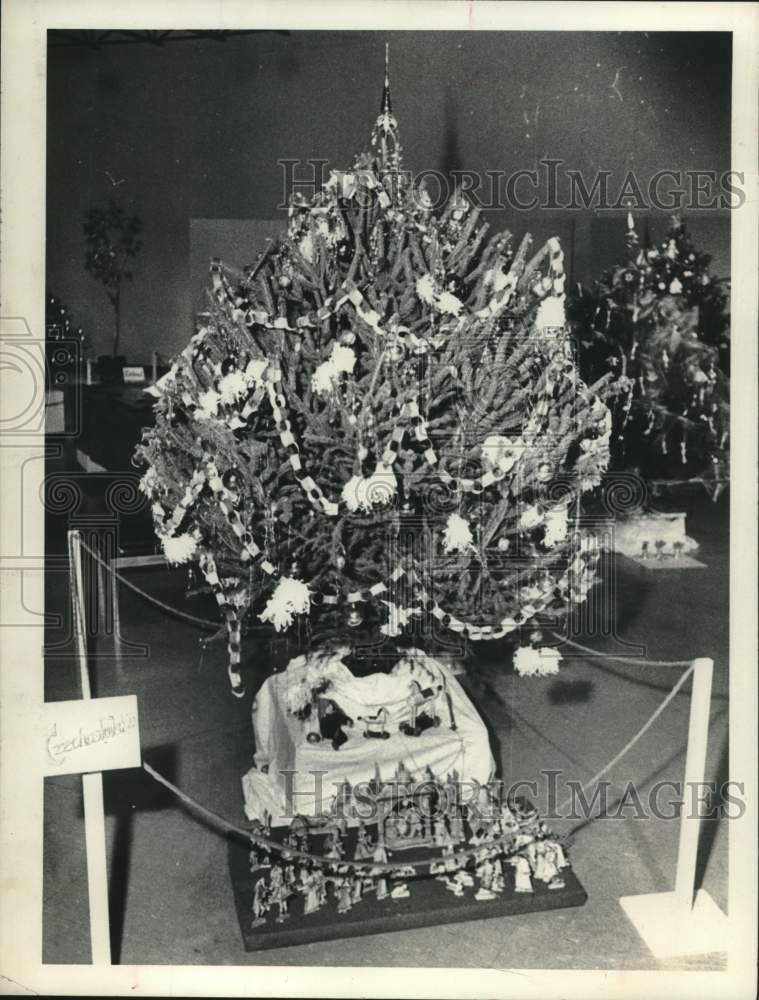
(232, 480)
(544, 473)
(355, 618)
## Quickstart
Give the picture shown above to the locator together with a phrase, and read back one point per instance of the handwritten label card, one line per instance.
(133, 374)
(99, 734)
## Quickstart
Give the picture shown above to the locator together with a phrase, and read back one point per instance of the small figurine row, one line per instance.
(541, 859)
(313, 883)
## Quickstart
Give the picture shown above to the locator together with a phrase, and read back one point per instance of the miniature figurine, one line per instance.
(522, 879)
(450, 862)
(485, 873)
(380, 857)
(364, 844)
(546, 866)
(343, 888)
(276, 877)
(356, 889)
(313, 899)
(400, 891)
(456, 821)
(280, 898)
(261, 896)
(291, 875)
(441, 831)
(335, 848)
(320, 886)
(456, 888)
(414, 821)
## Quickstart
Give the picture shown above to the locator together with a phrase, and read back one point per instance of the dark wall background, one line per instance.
(194, 130)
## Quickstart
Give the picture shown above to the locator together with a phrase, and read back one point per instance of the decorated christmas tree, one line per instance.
(381, 422)
(660, 323)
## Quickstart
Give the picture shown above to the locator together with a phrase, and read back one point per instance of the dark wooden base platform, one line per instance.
(428, 904)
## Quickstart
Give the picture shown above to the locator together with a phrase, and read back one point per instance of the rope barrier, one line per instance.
(230, 827)
(621, 659)
(322, 859)
(204, 622)
(631, 743)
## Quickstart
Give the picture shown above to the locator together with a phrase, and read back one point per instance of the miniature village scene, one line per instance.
(416, 834)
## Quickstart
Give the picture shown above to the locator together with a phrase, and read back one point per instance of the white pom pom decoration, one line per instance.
(208, 405)
(179, 549)
(342, 360)
(457, 536)
(291, 597)
(232, 386)
(448, 303)
(530, 662)
(425, 289)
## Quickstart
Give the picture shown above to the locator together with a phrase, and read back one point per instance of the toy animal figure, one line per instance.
(418, 698)
(331, 722)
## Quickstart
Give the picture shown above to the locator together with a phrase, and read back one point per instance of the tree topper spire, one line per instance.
(386, 107)
(385, 131)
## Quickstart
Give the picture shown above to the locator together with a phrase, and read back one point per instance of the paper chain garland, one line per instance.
(269, 385)
(208, 568)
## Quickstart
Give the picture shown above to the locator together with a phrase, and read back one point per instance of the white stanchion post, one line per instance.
(92, 783)
(685, 922)
(695, 767)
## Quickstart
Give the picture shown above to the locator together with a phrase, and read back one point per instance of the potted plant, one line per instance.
(111, 239)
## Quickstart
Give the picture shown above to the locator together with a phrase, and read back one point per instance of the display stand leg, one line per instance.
(685, 922)
(92, 784)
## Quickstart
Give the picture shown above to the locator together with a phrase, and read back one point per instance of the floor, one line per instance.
(170, 895)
